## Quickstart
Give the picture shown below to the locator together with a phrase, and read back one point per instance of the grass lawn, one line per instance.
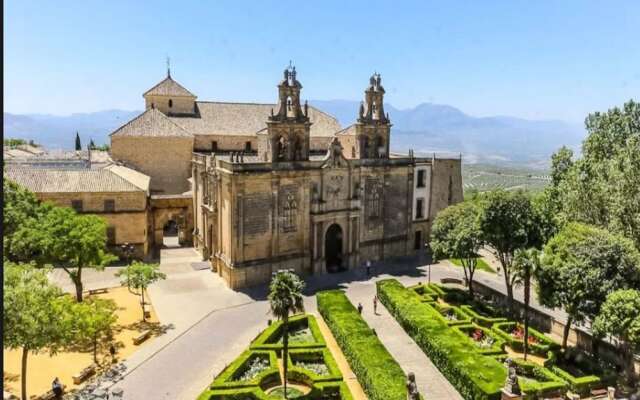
(481, 264)
(292, 393)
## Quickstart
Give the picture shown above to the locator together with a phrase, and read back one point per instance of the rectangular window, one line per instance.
(247, 146)
(109, 205)
(421, 178)
(111, 235)
(417, 240)
(76, 205)
(419, 208)
(214, 146)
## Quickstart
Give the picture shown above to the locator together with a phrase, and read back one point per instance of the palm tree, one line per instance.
(526, 264)
(285, 297)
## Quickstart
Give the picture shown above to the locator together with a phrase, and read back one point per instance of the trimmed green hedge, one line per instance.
(481, 319)
(593, 373)
(496, 348)
(546, 382)
(474, 375)
(267, 340)
(542, 348)
(227, 386)
(379, 374)
(322, 354)
(462, 317)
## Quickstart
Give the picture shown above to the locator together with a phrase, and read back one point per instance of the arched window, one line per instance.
(365, 148)
(353, 152)
(281, 149)
(289, 213)
(170, 103)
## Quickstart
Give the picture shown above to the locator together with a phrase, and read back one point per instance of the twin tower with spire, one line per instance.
(288, 126)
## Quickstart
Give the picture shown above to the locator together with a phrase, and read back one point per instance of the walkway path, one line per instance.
(431, 383)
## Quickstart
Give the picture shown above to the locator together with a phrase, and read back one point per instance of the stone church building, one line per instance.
(262, 187)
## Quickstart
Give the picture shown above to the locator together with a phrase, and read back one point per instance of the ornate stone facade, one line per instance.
(286, 206)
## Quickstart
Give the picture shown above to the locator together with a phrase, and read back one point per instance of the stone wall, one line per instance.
(167, 160)
(180, 105)
(130, 220)
(446, 184)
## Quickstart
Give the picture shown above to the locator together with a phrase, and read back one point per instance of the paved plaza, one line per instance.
(208, 324)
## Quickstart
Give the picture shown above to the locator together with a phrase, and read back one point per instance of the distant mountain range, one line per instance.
(425, 128)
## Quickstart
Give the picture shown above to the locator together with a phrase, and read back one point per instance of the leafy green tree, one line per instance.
(603, 187)
(67, 240)
(510, 222)
(78, 143)
(11, 142)
(620, 317)
(138, 277)
(456, 233)
(581, 265)
(19, 206)
(94, 322)
(36, 315)
(285, 297)
(526, 265)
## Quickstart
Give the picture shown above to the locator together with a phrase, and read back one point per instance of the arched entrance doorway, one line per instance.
(333, 249)
(170, 234)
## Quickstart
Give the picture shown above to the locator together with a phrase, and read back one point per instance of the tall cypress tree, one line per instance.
(78, 144)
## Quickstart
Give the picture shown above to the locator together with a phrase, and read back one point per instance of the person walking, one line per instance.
(359, 308)
(368, 267)
(375, 304)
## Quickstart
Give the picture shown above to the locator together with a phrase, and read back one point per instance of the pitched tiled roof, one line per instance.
(169, 87)
(39, 180)
(349, 130)
(245, 119)
(151, 123)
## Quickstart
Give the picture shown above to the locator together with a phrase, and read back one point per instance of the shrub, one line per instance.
(379, 374)
(268, 339)
(474, 375)
(257, 368)
(541, 347)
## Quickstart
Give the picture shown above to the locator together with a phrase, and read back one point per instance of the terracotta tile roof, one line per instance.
(349, 130)
(245, 119)
(151, 123)
(169, 87)
(40, 180)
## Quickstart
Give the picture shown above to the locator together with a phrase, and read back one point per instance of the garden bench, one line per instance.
(84, 374)
(96, 291)
(455, 281)
(600, 393)
(141, 337)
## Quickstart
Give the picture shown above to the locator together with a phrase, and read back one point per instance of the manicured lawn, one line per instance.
(292, 393)
(481, 264)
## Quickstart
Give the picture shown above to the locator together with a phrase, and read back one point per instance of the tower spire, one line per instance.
(168, 67)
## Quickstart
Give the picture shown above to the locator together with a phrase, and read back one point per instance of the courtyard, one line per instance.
(210, 325)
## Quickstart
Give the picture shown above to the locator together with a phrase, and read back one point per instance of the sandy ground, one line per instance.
(43, 368)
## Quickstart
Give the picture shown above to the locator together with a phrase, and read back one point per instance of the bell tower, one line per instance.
(373, 127)
(288, 128)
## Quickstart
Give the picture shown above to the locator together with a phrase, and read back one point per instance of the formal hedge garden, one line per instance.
(377, 371)
(466, 340)
(255, 371)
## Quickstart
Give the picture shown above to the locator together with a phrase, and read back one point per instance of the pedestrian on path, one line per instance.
(359, 308)
(56, 388)
(375, 304)
(368, 267)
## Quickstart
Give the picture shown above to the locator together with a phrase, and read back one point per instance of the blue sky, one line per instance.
(534, 59)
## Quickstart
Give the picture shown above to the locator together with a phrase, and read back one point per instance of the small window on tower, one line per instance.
(247, 146)
(170, 103)
(214, 146)
(421, 178)
(419, 208)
